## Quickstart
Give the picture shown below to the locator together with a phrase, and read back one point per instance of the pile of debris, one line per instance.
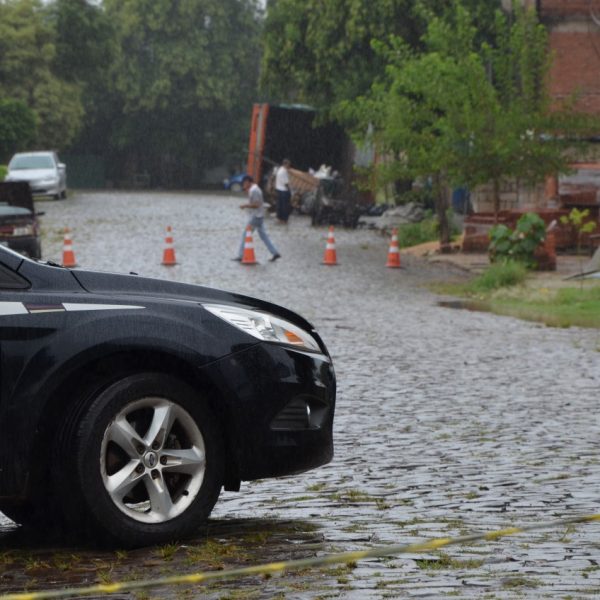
(322, 195)
(390, 218)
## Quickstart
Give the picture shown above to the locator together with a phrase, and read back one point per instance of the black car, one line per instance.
(127, 403)
(19, 226)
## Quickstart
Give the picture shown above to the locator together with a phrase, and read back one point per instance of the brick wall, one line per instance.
(575, 42)
(563, 8)
(576, 67)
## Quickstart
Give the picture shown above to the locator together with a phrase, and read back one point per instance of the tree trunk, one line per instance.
(496, 200)
(441, 208)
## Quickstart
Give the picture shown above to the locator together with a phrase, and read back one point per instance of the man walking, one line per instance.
(283, 191)
(257, 216)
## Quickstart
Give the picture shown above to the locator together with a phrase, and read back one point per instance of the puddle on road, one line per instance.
(471, 305)
(33, 561)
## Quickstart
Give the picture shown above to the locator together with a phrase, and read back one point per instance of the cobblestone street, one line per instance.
(448, 422)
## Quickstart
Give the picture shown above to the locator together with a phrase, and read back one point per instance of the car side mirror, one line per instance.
(62, 166)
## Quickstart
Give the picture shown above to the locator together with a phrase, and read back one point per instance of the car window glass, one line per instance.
(31, 162)
(6, 210)
(10, 280)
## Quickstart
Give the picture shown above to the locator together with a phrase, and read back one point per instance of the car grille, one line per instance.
(303, 412)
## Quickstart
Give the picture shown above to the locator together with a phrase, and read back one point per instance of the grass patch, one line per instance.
(498, 276)
(353, 497)
(214, 554)
(581, 310)
(517, 582)
(316, 487)
(445, 562)
(508, 289)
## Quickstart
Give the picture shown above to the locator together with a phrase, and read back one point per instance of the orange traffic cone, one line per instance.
(248, 257)
(393, 260)
(169, 251)
(330, 257)
(68, 259)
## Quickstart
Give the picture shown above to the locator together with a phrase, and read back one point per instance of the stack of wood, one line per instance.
(302, 182)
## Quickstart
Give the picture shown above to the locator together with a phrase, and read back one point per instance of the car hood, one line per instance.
(134, 289)
(125, 285)
(30, 174)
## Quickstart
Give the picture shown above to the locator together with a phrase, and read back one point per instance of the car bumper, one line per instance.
(44, 190)
(279, 408)
(38, 188)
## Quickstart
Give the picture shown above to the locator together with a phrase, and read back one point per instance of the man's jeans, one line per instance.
(284, 207)
(258, 224)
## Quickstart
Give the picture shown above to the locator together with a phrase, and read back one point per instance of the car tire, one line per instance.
(235, 187)
(63, 194)
(144, 462)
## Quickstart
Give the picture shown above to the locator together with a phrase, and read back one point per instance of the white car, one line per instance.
(42, 170)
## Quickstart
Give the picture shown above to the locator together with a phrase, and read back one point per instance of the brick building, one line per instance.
(574, 39)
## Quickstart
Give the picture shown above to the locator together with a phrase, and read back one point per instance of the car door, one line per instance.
(11, 291)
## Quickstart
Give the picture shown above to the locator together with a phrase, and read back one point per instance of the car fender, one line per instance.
(60, 351)
(40, 382)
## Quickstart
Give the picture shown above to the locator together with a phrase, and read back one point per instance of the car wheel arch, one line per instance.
(96, 510)
(91, 377)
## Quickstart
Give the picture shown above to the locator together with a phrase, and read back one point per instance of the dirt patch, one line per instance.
(31, 562)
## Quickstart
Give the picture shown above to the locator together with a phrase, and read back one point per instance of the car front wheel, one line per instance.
(145, 462)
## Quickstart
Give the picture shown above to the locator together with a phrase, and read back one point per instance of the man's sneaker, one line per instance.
(274, 257)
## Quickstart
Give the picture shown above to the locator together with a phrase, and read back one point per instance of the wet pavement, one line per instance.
(448, 422)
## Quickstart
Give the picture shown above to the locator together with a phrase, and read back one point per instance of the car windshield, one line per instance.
(31, 162)
(13, 211)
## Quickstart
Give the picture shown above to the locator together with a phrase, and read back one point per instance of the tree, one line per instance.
(320, 52)
(85, 42)
(17, 127)
(460, 113)
(26, 72)
(184, 79)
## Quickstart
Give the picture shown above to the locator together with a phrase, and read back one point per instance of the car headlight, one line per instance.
(23, 230)
(264, 326)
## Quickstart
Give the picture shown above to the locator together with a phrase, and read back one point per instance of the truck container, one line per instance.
(292, 131)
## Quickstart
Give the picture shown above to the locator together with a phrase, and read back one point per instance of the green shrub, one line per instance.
(427, 230)
(3, 172)
(411, 234)
(520, 244)
(578, 220)
(500, 275)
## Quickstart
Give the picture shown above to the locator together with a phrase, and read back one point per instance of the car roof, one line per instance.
(36, 153)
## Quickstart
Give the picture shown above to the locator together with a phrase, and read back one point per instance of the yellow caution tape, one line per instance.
(275, 567)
